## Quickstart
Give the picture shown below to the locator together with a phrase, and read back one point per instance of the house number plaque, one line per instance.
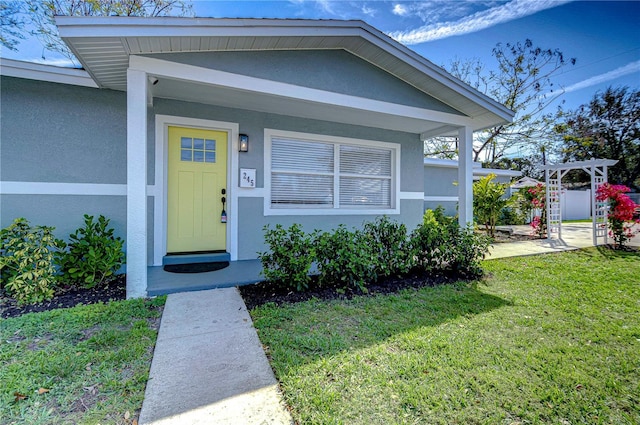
(248, 177)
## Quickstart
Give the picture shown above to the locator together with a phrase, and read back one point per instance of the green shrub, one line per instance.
(440, 245)
(93, 255)
(488, 201)
(288, 261)
(26, 261)
(345, 258)
(428, 243)
(467, 249)
(511, 216)
(389, 247)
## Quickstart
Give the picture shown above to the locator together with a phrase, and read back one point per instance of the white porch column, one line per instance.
(465, 176)
(136, 184)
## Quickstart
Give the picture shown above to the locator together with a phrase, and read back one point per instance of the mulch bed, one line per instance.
(253, 295)
(264, 292)
(68, 297)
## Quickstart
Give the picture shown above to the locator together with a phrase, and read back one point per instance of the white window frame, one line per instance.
(395, 148)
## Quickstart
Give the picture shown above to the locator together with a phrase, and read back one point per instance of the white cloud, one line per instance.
(400, 10)
(325, 5)
(369, 11)
(629, 68)
(515, 9)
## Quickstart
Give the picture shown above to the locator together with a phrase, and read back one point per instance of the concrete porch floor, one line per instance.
(238, 273)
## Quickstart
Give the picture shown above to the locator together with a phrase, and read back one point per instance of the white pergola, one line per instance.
(553, 173)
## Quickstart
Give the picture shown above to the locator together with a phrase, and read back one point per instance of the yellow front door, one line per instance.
(197, 178)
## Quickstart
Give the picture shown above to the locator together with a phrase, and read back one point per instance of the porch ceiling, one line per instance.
(104, 47)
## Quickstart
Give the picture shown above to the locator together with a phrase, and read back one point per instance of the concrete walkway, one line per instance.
(209, 366)
(574, 236)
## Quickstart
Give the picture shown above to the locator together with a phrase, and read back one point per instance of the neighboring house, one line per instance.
(525, 183)
(441, 182)
(149, 133)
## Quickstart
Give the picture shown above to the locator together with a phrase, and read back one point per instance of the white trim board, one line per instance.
(411, 195)
(441, 198)
(160, 202)
(52, 188)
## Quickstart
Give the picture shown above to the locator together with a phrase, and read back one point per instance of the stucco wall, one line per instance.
(251, 222)
(58, 133)
(64, 212)
(332, 70)
(62, 133)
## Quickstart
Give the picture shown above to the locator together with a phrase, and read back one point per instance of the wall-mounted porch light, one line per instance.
(244, 143)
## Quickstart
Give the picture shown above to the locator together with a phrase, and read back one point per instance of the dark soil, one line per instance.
(67, 297)
(265, 292)
(506, 237)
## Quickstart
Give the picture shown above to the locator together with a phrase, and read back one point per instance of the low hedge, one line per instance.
(354, 258)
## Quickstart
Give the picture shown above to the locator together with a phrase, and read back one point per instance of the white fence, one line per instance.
(576, 204)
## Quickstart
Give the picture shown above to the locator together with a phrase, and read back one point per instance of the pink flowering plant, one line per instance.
(537, 197)
(621, 209)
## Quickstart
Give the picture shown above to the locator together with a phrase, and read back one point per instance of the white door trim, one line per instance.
(161, 163)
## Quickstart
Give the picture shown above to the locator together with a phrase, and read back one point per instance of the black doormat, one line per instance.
(195, 267)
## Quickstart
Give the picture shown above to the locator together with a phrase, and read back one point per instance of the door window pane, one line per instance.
(197, 150)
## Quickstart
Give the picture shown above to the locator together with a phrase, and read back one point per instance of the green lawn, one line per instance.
(545, 339)
(82, 365)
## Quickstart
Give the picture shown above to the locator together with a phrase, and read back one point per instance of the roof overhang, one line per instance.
(477, 167)
(105, 46)
(42, 72)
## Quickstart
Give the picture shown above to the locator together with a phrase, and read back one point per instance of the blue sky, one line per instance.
(603, 36)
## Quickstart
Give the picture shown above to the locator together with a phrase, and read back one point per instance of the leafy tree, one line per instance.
(43, 13)
(607, 127)
(11, 24)
(523, 82)
(488, 202)
(530, 166)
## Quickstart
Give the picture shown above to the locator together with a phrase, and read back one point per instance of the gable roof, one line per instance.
(104, 44)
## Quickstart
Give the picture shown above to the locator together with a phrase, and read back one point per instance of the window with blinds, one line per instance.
(310, 174)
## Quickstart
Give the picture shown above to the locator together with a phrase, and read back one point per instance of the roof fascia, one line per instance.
(498, 172)
(446, 163)
(49, 73)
